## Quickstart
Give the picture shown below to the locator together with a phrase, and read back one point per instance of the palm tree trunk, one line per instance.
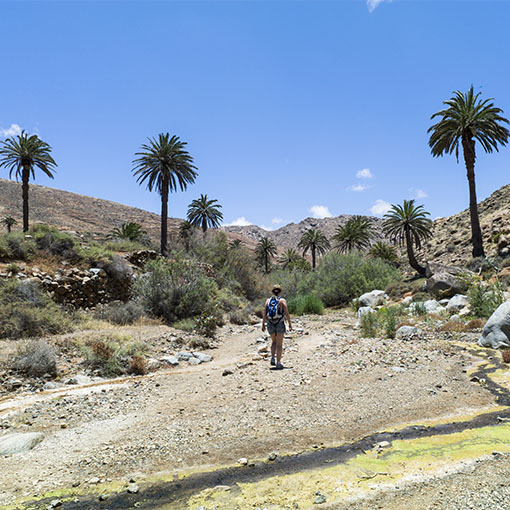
(164, 216)
(24, 192)
(468, 145)
(8, 228)
(410, 254)
(266, 262)
(313, 256)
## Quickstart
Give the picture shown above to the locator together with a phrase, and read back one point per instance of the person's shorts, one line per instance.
(275, 329)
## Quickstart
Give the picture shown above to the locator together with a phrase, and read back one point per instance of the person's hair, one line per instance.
(276, 290)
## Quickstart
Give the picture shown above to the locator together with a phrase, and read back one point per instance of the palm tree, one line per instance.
(384, 251)
(205, 213)
(9, 222)
(466, 120)
(356, 234)
(235, 244)
(130, 230)
(166, 165)
(289, 258)
(22, 155)
(186, 230)
(265, 250)
(408, 223)
(315, 241)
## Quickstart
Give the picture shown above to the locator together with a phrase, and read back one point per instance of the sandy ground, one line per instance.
(336, 388)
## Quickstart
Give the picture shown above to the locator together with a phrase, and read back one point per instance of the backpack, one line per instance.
(274, 312)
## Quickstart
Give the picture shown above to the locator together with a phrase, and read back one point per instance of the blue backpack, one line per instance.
(274, 310)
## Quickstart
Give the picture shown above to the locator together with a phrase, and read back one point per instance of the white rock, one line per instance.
(432, 306)
(364, 310)
(170, 360)
(496, 332)
(19, 443)
(202, 356)
(457, 303)
(465, 311)
(373, 298)
(194, 361)
(405, 332)
(407, 300)
(455, 318)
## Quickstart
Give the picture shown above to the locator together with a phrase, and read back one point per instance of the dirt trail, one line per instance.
(336, 389)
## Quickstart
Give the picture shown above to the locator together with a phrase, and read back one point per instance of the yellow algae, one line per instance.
(404, 460)
(501, 377)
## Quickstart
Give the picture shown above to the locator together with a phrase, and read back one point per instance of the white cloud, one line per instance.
(14, 130)
(320, 211)
(358, 187)
(421, 194)
(277, 221)
(240, 222)
(372, 4)
(364, 174)
(380, 207)
(269, 229)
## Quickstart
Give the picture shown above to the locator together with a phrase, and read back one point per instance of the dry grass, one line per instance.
(475, 324)
(138, 365)
(453, 327)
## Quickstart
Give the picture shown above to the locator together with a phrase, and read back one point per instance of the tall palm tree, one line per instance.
(465, 120)
(130, 230)
(9, 222)
(165, 164)
(235, 244)
(315, 241)
(22, 155)
(186, 230)
(265, 250)
(205, 213)
(408, 224)
(289, 257)
(356, 234)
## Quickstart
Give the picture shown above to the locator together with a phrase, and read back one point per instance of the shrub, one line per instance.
(199, 343)
(174, 289)
(13, 268)
(388, 319)
(15, 246)
(36, 359)
(185, 324)
(418, 308)
(475, 324)
(125, 245)
(26, 311)
(340, 278)
(306, 304)
(111, 355)
(239, 317)
(208, 322)
(138, 365)
(453, 327)
(484, 299)
(368, 325)
(53, 241)
(121, 313)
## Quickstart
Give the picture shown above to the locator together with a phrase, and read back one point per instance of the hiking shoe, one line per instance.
(279, 366)
(273, 362)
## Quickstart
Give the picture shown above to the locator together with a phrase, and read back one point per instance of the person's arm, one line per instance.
(287, 314)
(264, 318)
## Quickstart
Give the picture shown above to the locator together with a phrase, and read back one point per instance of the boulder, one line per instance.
(194, 361)
(496, 333)
(432, 306)
(202, 356)
(364, 310)
(457, 303)
(373, 298)
(446, 284)
(407, 300)
(184, 355)
(406, 332)
(19, 443)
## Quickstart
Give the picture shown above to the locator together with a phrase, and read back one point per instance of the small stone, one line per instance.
(227, 371)
(103, 497)
(133, 489)
(56, 503)
(93, 481)
(194, 361)
(243, 461)
(272, 456)
(321, 498)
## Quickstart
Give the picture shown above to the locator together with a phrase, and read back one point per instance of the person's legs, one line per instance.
(278, 345)
(273, 347)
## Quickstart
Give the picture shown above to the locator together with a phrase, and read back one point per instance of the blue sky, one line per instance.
(290, 108)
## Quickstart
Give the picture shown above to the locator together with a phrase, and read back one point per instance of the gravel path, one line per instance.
(336, 388)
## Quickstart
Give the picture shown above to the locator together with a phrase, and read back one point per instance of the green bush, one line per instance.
(418, 308)
(121, 313)
(484, 299)
(368, 325)
(15, 246)
(289, 279)
(53, 241)
(307, 304)
(174, 289)
(388, 319)
(26, 311)
(340, 278)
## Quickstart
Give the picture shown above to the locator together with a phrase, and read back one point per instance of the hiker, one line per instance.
(275, 313)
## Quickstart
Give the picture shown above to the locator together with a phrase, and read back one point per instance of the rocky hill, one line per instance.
(289, 235)
(91, 217)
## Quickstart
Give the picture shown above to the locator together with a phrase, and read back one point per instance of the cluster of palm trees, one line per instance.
(406, 225)
(165, 166)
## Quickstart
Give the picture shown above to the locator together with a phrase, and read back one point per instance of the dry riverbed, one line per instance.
(336, 388)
